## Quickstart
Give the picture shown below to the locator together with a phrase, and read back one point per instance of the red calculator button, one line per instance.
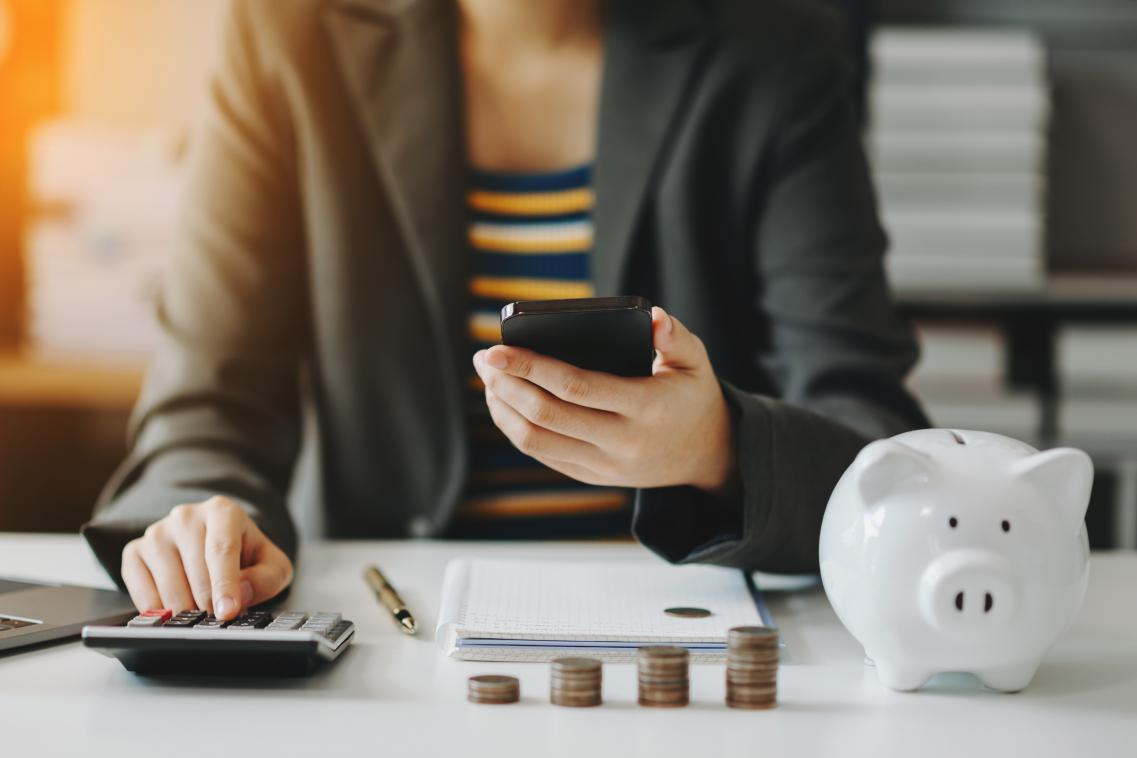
(163, 613)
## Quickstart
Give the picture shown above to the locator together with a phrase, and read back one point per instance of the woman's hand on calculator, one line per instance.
(209, 556)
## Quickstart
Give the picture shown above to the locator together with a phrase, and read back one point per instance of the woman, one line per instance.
(376, 176)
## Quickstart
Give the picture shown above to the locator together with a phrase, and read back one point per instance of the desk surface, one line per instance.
(393, 695)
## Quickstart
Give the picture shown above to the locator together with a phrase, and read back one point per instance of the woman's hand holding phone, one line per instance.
(672, 428)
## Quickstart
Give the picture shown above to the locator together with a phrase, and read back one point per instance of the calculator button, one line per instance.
(162, 614)
(145, 621)
(285, 625)
(186, 618)
(211, 622)
(251, 621)
(321, 620)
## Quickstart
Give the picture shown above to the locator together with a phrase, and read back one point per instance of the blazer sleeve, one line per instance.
(837, 351)
(219, 413)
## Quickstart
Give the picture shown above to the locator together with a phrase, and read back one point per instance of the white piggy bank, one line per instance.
(957, 551)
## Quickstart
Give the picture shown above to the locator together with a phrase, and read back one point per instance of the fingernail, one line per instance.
(668, 325)
(226, 607)
(496, 359)
(247, 592)
(477, 355)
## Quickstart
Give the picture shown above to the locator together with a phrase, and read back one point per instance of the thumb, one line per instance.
(269, 575)
(676, 347)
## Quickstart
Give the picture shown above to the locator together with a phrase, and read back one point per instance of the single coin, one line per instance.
(664, 681)
(751, 636)
(751, 681)
(752, 654)
(580, 675)
(754, 665)
(493, 683)
(751, 690)
(662, 652)
(482, 700)
(753, 668)
(753, 647)
(685, 612)
(663, 692)
(656, 693)
(663, 704)
(575, 702)
(575, 689)
(575, 664)
(558, 684)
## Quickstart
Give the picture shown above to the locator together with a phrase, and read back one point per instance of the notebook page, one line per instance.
(567, 600)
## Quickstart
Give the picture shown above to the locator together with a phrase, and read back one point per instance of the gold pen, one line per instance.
(388, 597)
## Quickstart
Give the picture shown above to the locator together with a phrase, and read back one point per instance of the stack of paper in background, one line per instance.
(1097, 375)
(962, 381)
(957, 138)
(102, 229)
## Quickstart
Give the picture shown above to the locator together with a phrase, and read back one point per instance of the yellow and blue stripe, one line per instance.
(531, 238)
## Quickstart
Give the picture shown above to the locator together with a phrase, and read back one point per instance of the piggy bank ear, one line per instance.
(887, 465)
(1066, 475)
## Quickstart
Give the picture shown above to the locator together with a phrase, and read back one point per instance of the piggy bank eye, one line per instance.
(1006, 525)
(953, 522)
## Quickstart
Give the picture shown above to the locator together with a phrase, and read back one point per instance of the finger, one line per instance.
(592, 389)
(268, 576)
(190, 541)
(535, 441)
(165, 566)
(547, 411)
(139, 583)
(676, 347)
(224, 533)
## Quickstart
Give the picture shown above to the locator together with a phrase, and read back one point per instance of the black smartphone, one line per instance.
(611, 334)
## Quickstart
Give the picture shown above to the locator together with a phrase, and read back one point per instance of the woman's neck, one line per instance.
(521, 23)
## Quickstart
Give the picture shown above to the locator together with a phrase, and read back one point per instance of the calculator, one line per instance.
(258, 643)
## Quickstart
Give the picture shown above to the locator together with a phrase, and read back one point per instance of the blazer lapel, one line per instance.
(399, 59)
(651, 49)
(400, 62)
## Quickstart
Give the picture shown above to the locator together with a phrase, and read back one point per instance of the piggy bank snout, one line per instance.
(968, 591)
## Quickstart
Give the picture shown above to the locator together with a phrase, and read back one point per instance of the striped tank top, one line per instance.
(530, 236)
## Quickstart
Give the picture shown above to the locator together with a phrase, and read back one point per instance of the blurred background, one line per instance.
(1003, 135)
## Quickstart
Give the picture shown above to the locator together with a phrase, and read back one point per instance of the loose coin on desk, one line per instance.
(493, 689)
(685, 612)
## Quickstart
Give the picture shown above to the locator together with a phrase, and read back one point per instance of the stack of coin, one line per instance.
(575, 682)
(752, 667)
(492, 689)
(663, 676)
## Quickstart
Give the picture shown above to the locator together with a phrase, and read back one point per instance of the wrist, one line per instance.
(718, 474)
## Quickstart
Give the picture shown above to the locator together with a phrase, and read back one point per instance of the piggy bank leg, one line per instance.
(901, 677)
(1010, 678)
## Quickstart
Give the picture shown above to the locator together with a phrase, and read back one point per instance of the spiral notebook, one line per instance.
(510, 610)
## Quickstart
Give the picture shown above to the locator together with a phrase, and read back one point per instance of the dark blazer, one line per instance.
(322, 256)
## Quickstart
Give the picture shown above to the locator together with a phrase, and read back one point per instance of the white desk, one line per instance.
(397, 696)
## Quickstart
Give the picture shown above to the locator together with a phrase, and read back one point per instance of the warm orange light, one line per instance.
(5, 30)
